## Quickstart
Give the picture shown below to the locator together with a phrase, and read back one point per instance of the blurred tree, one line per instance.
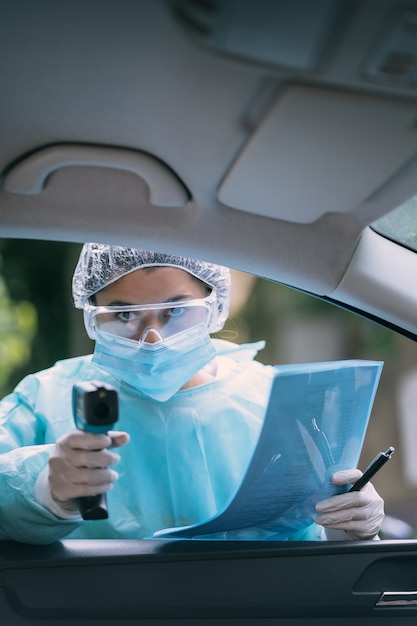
(273, 311)
(38, 272)
(18, 323)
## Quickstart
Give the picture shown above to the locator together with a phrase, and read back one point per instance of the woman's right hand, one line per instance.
(79, 465)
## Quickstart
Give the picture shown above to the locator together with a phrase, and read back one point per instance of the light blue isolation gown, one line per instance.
(183, 462)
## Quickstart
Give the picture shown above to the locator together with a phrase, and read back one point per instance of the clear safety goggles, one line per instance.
(148, 322)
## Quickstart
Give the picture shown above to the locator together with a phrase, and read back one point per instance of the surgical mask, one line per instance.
(158, 370)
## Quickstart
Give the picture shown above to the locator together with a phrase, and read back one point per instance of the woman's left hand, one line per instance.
(359, 513)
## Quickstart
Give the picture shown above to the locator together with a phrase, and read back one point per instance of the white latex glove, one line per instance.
(359, 513)
(79, 466)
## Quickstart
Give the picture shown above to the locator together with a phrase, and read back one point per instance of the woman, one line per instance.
(191, 409)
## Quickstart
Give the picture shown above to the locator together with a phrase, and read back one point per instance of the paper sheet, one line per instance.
(315, 424)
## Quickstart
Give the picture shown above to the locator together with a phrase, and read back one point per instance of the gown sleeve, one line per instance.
(24, 452)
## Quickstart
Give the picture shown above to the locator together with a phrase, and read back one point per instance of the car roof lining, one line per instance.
(195, 110)
(113, 204)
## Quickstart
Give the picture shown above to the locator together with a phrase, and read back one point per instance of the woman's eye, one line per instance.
(127, 316)
(174, 312)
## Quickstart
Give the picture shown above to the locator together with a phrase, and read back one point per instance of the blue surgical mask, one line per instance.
(158, 370)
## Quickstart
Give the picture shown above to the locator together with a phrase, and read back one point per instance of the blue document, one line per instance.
(315, 425)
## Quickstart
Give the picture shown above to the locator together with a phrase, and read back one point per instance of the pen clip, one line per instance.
(389, 452)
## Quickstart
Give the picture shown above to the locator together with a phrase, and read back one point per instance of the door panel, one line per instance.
(193, 582)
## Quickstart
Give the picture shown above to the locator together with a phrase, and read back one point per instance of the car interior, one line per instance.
(276, 137)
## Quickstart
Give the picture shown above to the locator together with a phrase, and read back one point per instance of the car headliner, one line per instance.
(125, 123)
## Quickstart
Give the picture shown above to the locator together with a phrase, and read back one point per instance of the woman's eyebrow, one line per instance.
(167, 301)
(119, 303)
(180, 298)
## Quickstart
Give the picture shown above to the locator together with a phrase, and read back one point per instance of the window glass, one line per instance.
(35, 278)
(400, 225)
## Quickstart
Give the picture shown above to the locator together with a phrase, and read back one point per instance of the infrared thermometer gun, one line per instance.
(95, 410)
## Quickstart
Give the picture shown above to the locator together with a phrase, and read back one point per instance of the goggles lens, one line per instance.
(135, 321)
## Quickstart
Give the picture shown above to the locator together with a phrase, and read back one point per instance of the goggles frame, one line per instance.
(91, 313)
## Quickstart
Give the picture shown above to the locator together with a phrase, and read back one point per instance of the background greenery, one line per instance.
(35, 306)
(38, 324)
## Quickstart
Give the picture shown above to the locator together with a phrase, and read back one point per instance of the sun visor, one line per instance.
(320, 151)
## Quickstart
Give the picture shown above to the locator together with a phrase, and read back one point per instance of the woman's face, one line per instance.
(157, 285)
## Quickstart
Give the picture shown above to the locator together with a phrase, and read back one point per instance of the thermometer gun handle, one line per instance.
(95, 410)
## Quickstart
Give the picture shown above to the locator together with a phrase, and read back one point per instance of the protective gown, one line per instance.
(183, 462)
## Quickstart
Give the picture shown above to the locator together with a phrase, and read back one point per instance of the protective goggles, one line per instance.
(148, 322)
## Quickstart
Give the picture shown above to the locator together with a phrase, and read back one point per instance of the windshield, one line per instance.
(400, 225)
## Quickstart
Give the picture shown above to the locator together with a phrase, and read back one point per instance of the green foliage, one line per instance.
(400, 225)
(38, 325)
(18, 324)
(37, 278)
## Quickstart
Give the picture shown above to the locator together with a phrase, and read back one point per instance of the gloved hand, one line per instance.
(79, 465)
(359, 513)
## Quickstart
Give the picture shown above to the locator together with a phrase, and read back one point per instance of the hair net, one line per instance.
(100, 265)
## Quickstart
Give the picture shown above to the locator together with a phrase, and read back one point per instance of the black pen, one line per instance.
(373, 467)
